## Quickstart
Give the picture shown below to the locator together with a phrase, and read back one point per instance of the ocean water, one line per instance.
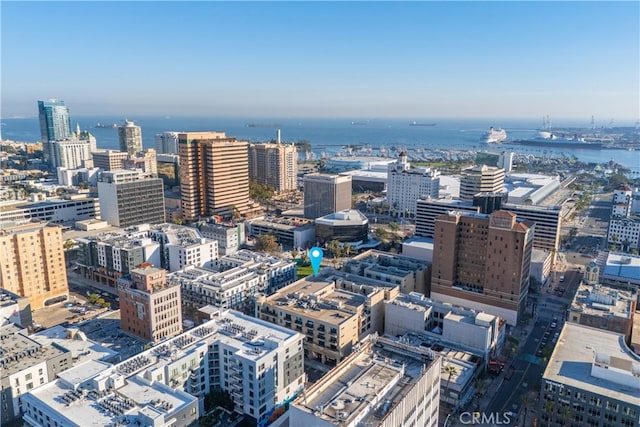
(328, 136)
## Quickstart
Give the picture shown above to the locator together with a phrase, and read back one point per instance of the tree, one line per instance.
(548, 409)
(348, 250)
(394, 226)
(68, 244)
(565, 414)
(304, 260)
(525, 401)
(266, 243)
(294, 253)
(450, 370)
(334, 247)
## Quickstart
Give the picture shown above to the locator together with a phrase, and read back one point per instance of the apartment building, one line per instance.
(229, 237)
(214, 174)
(275, 165)
(405, 185)
(150, 307)
(259, 364)
(591, 380)
(234, 280)
(130, 137)
(376, 385)
(333, 313)
(29, 361)
(32, 263)
(483, 262)
(181, 246)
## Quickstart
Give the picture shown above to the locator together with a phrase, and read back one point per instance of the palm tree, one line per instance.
(565, 413)
(548, 408)
(348, 250)
(450, 370)
(525, 400)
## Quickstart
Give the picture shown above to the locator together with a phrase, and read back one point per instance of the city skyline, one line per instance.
(336, 59)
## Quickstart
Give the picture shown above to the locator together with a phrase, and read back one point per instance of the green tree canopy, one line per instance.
(266, 243)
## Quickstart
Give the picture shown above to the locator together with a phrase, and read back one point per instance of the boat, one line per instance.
(549, 139)
(263, 125)
(414, 123)
(494, 135)
(107, 126)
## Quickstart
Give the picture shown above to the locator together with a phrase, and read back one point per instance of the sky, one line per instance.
(324, 59)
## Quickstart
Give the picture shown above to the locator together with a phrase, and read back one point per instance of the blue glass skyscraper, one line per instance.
(55, 124)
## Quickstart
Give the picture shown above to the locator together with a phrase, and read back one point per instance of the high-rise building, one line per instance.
(405, 185)
(109, 160)
(74, 152)
(482, 262)
(325, 194)
(130, 137)
(275, 165)
(481, 179)
(149, 307)
(131, 197)
(167, 143)
(214, 174)
(32, 263)
(55, 124)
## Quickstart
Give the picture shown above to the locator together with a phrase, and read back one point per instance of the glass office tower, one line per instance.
(55, 124)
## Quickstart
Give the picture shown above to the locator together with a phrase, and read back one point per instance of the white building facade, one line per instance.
(406, 185)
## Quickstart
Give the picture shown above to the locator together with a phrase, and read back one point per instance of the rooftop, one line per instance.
(76, 342)
(367, 383)
(343, 218)
(575, 354)
(622, 267)
(599, 300)
(283, 223)
(18, 351)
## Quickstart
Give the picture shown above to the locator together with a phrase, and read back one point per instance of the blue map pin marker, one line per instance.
(315, 255)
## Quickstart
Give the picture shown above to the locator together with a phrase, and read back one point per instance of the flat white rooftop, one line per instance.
(572, 359)
(622, 267)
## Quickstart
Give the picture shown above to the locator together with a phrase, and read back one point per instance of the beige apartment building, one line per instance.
(334, 315)
(32, 263)
(214, 174)
(275, 165)
(482, 262)
(149, 307)
(109, 160)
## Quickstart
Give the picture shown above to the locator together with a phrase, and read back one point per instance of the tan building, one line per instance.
(145, 160)
(149, 308)
(482, 262)
(109, 160)
(325, 194)
(214, 174)
(275, 165)
(481, 179)
(333, 314)
(32, 263)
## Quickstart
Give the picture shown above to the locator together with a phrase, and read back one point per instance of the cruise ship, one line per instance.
(549, 139)
(494, 136)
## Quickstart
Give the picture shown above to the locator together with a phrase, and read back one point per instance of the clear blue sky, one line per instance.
(325, 59)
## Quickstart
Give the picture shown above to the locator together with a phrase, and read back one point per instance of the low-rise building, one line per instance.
(541, 263)
(14, 309)
(603, 307)
(409, 274)
(280, 272)
(419, 248)
(290, 232)
(347, 226)
(621, 269)
(459, 327)
(57, 210)
(334, 313)
(592, 379)
(375, 385)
